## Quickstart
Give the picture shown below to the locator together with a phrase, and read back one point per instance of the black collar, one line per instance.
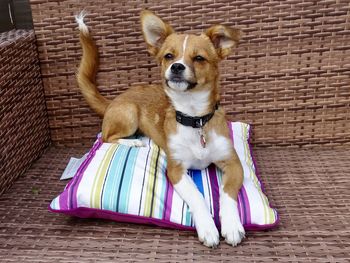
(195, 122)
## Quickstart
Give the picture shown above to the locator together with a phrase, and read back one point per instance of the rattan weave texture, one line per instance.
(289, 77)
(309, 187)
(24, 130)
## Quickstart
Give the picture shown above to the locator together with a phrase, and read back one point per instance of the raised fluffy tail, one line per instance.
(88, 68)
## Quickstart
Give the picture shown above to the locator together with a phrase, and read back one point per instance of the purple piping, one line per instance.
(64, 198)
(82, 169)
(84, 212)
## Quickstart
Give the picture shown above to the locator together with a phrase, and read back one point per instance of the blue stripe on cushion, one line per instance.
(197, 178)
(126, 180)
(109, 193)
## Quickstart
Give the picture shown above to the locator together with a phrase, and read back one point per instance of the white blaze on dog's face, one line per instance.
(188, 62)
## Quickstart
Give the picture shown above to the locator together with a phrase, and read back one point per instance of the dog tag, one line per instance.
(202, 138)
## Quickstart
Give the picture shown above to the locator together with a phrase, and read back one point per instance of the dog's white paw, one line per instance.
(203, 221)
(231, 227)
(232, 231)
(206, 230)
(131, 142)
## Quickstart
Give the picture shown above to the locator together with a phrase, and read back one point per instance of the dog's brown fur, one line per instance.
(148, 108)
(153, 115)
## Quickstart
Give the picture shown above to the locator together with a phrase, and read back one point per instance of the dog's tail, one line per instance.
(88, 68)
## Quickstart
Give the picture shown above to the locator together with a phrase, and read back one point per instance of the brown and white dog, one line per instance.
(182, 115)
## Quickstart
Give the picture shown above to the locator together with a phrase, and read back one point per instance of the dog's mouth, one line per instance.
(180, 84)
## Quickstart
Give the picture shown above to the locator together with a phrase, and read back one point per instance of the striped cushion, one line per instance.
(129, 184)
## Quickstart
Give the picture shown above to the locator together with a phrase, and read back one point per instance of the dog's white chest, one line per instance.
(185, 146)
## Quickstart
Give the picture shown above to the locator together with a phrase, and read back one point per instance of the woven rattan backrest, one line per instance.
(24, 131)
(289, 77)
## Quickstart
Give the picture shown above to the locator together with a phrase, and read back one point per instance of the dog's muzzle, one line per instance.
(177, 78)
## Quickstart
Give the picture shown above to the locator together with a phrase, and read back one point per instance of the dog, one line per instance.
(182, 115)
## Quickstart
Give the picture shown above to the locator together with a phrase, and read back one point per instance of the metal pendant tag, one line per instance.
(202, 138)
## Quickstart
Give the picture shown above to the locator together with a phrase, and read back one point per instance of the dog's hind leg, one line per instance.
(120, 121)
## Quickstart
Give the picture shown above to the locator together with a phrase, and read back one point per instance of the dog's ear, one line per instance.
(155, 31)
(223, 38)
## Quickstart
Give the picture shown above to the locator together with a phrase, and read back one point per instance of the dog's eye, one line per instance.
(199, 58)
(168, 56)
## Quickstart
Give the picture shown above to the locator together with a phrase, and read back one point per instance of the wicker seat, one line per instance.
(289, 78)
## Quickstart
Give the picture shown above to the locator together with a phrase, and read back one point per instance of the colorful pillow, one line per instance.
(129, 184)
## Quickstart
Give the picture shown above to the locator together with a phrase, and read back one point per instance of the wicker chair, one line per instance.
(289, 78)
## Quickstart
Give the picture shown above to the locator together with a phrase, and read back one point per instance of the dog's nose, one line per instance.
(177, 68)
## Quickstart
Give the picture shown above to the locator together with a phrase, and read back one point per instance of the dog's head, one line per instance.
(188, 62)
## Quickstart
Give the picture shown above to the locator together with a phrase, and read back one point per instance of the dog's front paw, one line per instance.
(207, 231)
(232, 230)
(231, 227)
